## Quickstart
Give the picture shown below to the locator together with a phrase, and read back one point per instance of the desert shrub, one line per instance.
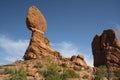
(116, 78)
(9, 71)
(85, 76)
(52, 72)
(68, 73)
(64, 65)
(19, 74)
(38, 65)
(100, 73)
(117, 73)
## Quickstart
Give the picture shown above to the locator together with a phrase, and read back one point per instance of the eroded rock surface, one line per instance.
(106, 49)
(79, 60)
(39, 45)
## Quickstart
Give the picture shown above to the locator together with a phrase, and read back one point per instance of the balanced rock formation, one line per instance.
(39, 45)
(106, 49)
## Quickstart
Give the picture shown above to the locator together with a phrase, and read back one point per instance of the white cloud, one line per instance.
(11, 49)
(11, 58)
(67, 49)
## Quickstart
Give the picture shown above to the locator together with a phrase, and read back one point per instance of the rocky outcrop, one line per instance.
(79, 60)
(39, 45)
(106, 49)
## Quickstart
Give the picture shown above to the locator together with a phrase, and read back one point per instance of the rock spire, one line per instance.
(106, 49)
(39, 45)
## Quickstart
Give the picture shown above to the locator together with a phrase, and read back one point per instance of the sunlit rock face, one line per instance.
(106, 49)
(35, 20)
(39, 45)
(79, 60)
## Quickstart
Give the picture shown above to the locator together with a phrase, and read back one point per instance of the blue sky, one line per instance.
(72, 25)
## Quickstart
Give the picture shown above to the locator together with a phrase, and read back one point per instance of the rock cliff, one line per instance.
(106, 49)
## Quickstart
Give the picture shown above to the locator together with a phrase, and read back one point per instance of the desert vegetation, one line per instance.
(16, 74)
(103, 72)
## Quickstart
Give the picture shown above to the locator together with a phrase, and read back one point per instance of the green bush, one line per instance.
(100, 73)
(8, 71)
(38, 65)
(116, 78)
(52, 73)
(85, 76)
(64, 65)
(68, 73)
(117, 73)
(17, 74)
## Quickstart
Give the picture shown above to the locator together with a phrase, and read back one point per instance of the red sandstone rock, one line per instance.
(35, 20)
(106, 49)
(79, 60)
(39, 45)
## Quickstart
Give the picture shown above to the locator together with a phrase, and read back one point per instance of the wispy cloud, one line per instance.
(89, 58)
(11, 49)
(67, 49)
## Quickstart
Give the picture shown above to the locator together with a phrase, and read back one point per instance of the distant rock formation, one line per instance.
(39, 45)
(106, 49)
